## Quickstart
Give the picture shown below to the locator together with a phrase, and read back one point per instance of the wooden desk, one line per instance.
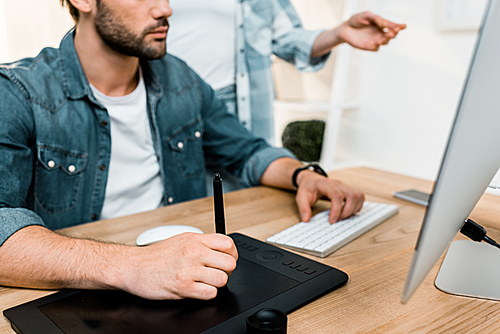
(377, 262)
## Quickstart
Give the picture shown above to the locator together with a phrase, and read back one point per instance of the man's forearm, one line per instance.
(188, 265)
(36, 257)
(325, 42)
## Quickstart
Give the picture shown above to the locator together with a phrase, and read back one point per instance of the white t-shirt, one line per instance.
(134, 181)
(202, 33)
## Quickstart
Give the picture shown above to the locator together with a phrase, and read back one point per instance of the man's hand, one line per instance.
(188, 265)
(368, 31)
(345, 201)
(365, 31)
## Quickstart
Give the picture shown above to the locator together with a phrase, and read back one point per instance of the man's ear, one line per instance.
(84, 6)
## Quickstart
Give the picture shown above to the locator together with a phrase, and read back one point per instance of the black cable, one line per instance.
(491, 241)
(476, 232)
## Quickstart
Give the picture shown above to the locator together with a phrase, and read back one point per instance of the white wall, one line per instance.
(408, 92)
(4, 50)
(26, 26)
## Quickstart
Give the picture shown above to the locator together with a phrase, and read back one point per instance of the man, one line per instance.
(107, 123)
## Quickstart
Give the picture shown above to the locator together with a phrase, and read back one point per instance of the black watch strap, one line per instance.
(312, 167)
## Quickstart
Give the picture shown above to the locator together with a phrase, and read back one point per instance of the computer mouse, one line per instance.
(163, 232)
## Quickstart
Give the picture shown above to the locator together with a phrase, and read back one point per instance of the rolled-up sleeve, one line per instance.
(16, 159)
(14, 219)
(255, 167)
(291, 42)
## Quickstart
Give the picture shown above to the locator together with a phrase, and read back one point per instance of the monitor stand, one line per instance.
(470, 269)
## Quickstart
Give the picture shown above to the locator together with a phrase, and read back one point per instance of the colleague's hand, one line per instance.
(345, 201)
(368, 31)
(188, 265)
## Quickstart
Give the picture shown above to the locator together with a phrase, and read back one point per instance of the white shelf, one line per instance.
(311, 106)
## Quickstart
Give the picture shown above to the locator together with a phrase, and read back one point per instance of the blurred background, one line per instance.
(397, 106)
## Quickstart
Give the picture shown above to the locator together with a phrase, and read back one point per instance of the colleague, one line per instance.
(108, 124)
(229, 43)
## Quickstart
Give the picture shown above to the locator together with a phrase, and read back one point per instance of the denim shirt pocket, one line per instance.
(58, 178)
(186, 145)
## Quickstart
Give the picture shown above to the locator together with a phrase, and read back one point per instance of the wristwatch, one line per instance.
(312, 167)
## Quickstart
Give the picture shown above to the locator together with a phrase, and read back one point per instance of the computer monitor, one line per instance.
(471, 160)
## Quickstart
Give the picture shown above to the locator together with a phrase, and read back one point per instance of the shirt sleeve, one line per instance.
(291, 42)
(255, 167)
(16, 167)
(14, 219)
(231, 145)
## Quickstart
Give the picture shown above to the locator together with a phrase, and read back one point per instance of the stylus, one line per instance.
(220, 224)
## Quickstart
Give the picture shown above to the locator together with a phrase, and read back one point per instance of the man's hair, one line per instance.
(72, 10)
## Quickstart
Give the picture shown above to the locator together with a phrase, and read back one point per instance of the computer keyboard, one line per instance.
(320, 238)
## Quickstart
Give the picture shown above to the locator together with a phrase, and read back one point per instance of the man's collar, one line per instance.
(75, 82)
(150, 78)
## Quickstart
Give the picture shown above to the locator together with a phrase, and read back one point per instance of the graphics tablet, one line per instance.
(265, 277)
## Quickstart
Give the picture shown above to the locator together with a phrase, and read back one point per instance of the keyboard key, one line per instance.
(319, 237)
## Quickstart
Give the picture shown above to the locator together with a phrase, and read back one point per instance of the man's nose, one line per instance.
(162, 9)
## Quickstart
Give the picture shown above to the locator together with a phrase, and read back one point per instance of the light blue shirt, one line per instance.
(266, 27)
(262, 28)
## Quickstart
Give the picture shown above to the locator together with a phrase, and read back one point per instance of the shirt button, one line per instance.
(94, 216)
(104, 123)
(71, 168)
(197, 134)
(243, 99)
(242, 75)
(51, 163)
(170, 199)
(180, 145)
(241, 25)
(244, 122)
(102, 167)
(242, 50)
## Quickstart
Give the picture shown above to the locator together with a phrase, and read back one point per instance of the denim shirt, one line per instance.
(55, 141)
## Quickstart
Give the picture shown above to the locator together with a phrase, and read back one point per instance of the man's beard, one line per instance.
(123, 41)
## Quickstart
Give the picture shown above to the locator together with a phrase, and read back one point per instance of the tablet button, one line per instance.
(310, 271)
(287, 263)
(302, 268)
(296, 265)
(269, 255)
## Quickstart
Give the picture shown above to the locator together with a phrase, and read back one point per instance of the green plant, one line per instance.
(304, 139)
